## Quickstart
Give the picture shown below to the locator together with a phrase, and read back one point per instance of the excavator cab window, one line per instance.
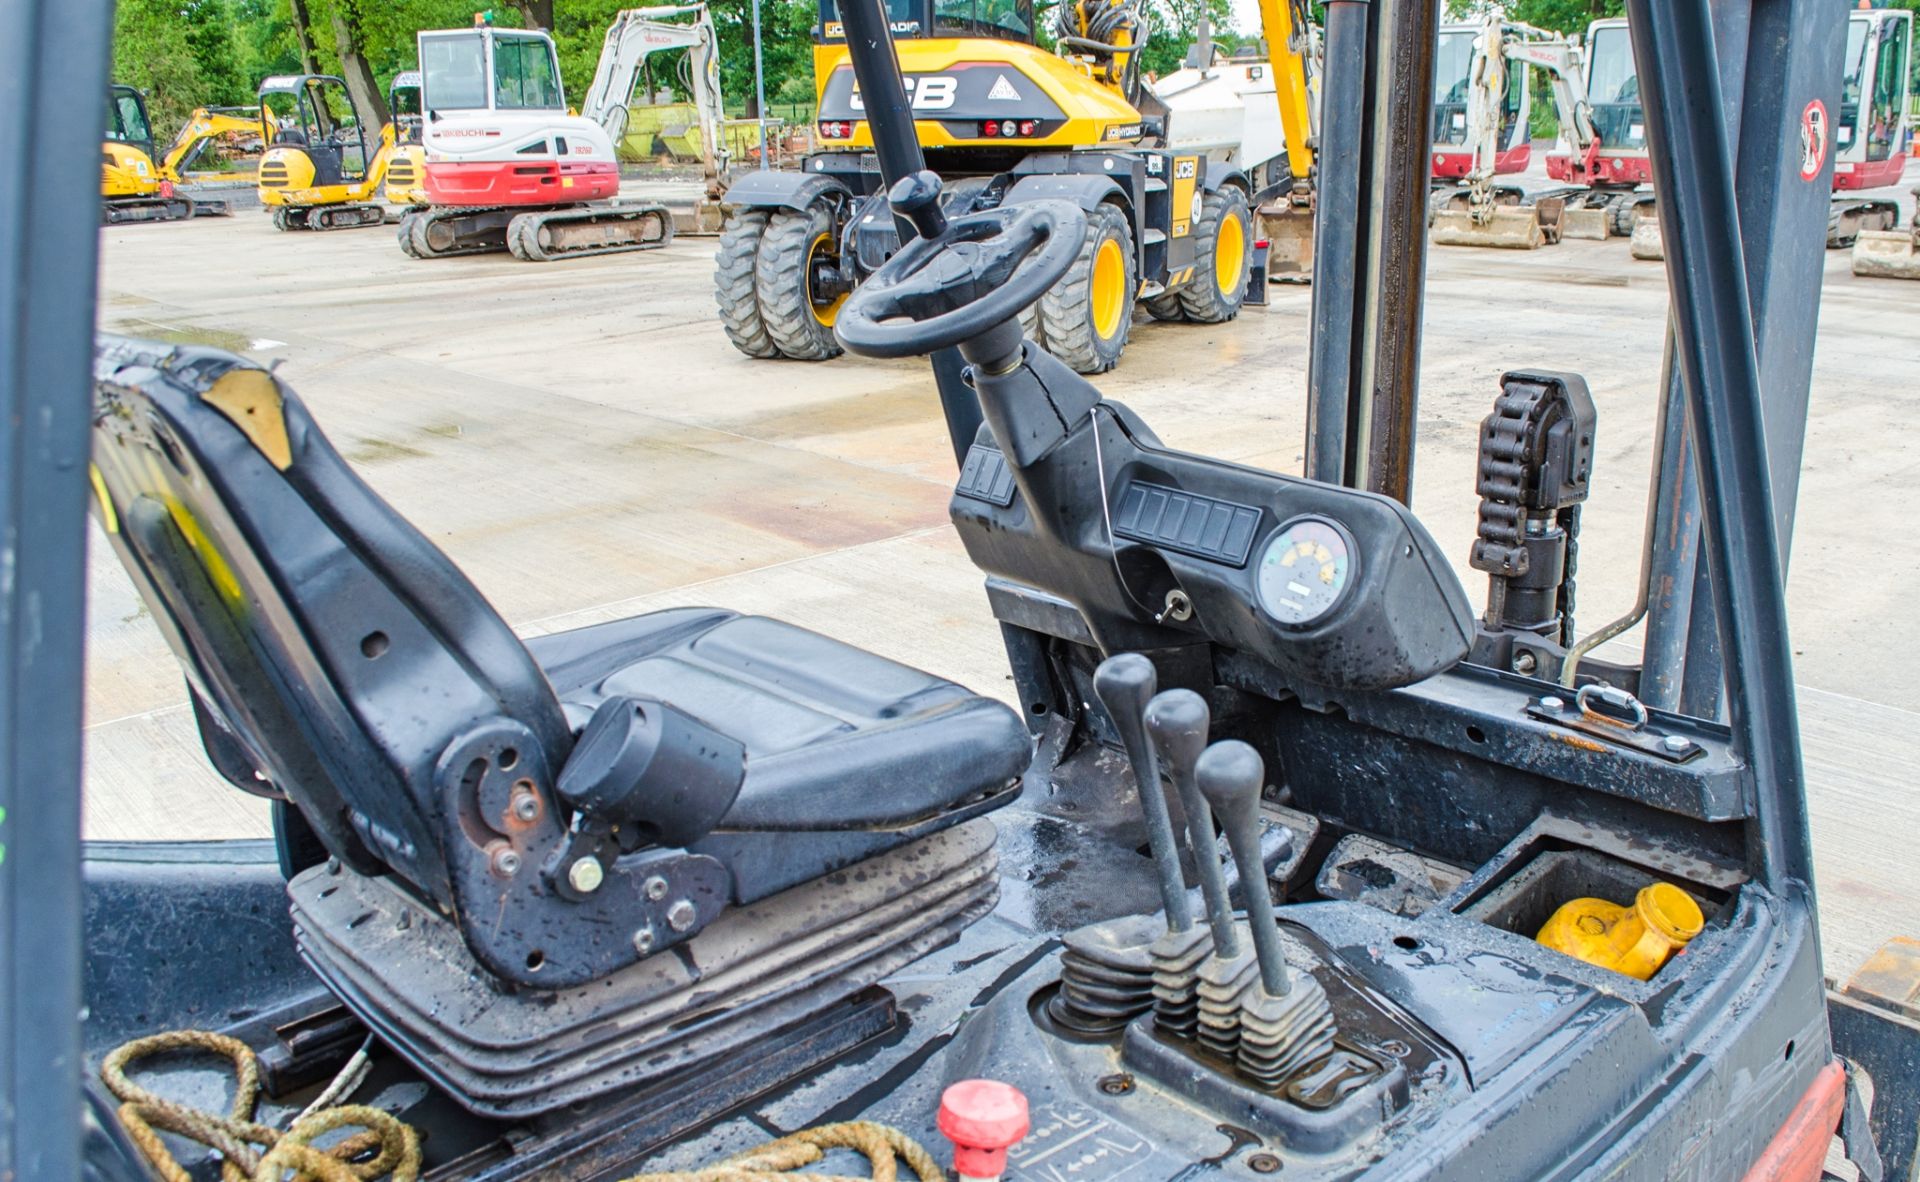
(127, 119)
(453, 71)
(404, 102)
(906, 18)
(525, 75)
(1889, 89)
(1008, 19)
(1452, 79)
(1613, 87)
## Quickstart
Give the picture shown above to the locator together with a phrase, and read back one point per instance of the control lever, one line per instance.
(1125, 685)
(1285, 1022)
(1177, 720)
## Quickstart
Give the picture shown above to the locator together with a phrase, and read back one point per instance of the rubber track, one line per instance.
(175, 209)
(523, 232)
(418, 220)
(1066, 309)
(733, 284)
(780, 282)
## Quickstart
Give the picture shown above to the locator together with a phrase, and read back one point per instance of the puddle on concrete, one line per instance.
(373, 451)
(178, 334)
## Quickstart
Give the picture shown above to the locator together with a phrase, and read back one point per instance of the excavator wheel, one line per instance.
(1220, 245)
(733, 284)
(1165, 306)
(1087, 315)
(1030, 324)
(279, 218)
(799, 323)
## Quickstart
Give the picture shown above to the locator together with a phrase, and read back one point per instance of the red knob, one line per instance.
(983, 1118)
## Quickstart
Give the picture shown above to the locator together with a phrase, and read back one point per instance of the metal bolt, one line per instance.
(1396, 1048)
(1116, 1085)
(643, 940)
(1676, 743)
(1263, 1163)
(681, 915)
(655, 888)
(526, 806)
(506, 862)
(333, 865)
(586, 875)
(1553, 704)
(1524, 662)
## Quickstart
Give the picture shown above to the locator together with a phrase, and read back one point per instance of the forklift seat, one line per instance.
(699, 759)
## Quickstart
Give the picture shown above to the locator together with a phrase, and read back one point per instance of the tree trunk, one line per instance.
(538, 13)
(362, 88)
(302, 28)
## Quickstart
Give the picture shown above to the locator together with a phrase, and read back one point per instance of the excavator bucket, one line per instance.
(1511, 227)
(1289, 233)
(1887, 254)
(1586, 224)
(1646, 242)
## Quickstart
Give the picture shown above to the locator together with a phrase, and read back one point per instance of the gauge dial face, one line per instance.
(1304, 571)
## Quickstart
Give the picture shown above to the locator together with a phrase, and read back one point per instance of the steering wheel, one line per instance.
(967, 277)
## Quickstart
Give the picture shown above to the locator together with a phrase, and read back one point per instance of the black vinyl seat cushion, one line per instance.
(342, 664)
(836, 737)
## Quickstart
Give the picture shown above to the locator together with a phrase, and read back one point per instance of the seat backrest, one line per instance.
(335, 649)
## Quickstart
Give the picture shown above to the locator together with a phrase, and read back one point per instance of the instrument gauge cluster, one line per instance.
(1306, 569)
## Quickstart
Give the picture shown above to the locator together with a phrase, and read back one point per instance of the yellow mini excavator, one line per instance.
(1169, 171)
(137, 183)
(320, 172)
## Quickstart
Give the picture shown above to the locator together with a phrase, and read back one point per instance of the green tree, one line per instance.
(152, 52)
(1176, 26)
(209, 29)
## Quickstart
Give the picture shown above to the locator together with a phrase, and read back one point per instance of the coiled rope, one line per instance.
(236, 1134)
(776, 1160)
(394, 1145)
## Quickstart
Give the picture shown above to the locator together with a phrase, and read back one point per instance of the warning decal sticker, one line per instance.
(1815, 133)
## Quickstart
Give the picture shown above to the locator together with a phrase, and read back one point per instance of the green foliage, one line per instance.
(1560, 16)
(1176, 25)
(152, 51)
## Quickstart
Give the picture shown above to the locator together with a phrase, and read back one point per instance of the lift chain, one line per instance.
(1536, 453)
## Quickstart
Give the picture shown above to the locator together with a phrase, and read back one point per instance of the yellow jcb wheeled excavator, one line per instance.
(1168, 172)
(137, 182)
(320, 173)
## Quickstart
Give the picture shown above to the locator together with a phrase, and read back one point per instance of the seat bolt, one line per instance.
(655, 888)
(506, 862)
(586, 875)
(681, 915)
(1676, 742)
(526, 806)
(643, 940)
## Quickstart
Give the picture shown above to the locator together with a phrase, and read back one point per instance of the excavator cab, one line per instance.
(1011, 20)
(319, 172)
(1457, 57)
(1870, 133)
(407, 172)
(127, 122)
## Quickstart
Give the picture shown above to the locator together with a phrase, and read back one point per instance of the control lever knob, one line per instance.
(983, 1118)
(1124, 683)
(916, 197)
(1230, 775)
(1177, 721)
